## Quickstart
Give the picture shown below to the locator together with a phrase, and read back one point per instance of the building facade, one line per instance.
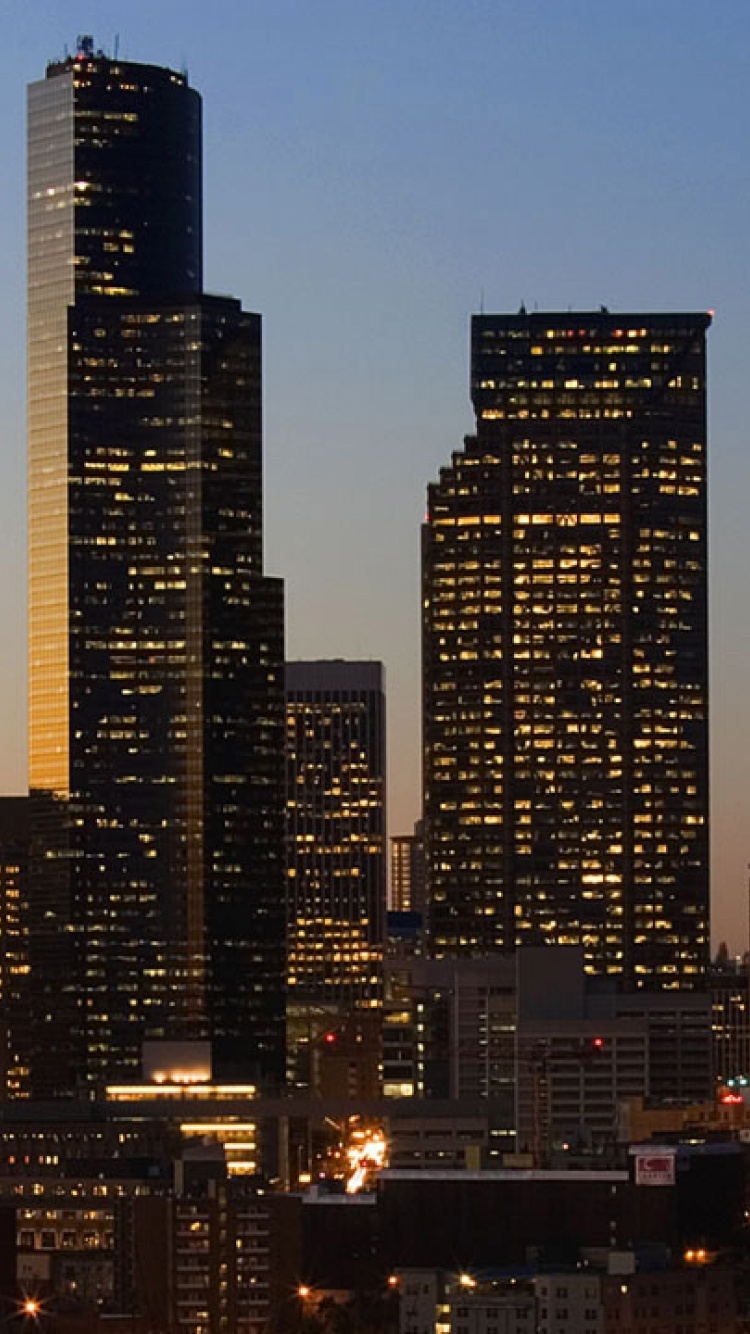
(555, 1051)
(335, 842)
(565, 648)
(15, 1035)
(689, 1298)
(156, 641)
(488, 1220)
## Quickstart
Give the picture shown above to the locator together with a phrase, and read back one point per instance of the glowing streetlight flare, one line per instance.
(366, 1154)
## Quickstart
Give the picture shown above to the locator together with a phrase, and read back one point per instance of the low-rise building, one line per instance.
(487, 1306)
(569, 1303)
(682, 1196)
(686, 1298)
(693, 1299)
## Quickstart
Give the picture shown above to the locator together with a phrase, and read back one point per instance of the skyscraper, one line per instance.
(565, 648)
(335, 844)
(156, 641)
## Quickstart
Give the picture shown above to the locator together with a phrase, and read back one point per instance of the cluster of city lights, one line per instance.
(734, 1091)
(366, 1154)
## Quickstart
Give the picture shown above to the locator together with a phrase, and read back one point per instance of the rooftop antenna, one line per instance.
(117, 45)
(481, 301)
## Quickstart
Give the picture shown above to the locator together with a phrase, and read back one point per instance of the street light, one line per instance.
(29, 1307)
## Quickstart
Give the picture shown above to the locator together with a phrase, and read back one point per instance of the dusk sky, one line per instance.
(373, 171)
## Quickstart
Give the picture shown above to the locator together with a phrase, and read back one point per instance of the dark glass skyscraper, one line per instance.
(565, 648)
(156, 642)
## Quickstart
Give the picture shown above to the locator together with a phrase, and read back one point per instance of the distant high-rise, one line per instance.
(565, 648)
(407, 871)
(156, 642)
(335, 842)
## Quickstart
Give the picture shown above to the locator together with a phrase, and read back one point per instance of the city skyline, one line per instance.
(674, 248)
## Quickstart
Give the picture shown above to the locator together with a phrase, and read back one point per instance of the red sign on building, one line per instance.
(654, 1169)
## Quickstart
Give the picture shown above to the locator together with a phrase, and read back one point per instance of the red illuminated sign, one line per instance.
(654, 1169)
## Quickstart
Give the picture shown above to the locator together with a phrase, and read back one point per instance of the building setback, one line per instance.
(335, 842)
(156, 641)
(565, 648)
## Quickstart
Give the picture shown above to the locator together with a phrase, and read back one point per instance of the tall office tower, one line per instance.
(407, 871)
(335, 846)
(156, 642)
(564, 648)
(14, 948)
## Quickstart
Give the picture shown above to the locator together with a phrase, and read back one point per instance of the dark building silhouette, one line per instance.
(426, 1219)
(156, 641)
(730, 1007)
(565, 648)
(335, 845)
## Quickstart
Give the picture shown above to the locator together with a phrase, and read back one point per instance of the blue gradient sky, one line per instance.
(371, 168)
